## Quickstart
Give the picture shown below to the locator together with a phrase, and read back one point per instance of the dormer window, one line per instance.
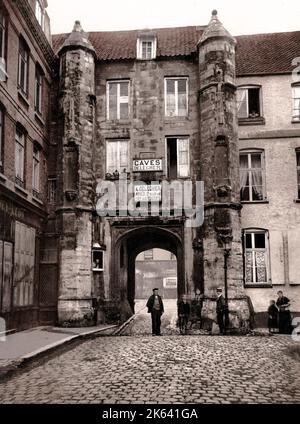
(39, 13)
(146, 47)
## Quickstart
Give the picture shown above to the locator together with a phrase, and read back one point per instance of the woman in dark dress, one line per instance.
(284, 322)
(272, 317)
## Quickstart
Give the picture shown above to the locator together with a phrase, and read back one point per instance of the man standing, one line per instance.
(221, 311)
(283, 304)
(156, 308)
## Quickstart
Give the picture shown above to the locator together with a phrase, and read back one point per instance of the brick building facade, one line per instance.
(185, 104)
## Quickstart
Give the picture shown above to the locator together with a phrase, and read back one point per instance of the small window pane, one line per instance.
(259, 240)
(254, 102)
(248, 241)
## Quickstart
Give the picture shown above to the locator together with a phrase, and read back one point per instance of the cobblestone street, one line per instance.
(168, 369)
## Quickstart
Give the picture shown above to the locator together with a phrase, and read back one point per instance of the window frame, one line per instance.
(119, 169)
(295, 118)
(20, 141)
(119, 102)
(39, 7)
(3, 46)
(266, 250)
(298, 173)
(52, 187)
(146, 39)
(36, 164)
(38, 89)
(25, 60)
(255, 120)
(249, 152)
(176, 115)
(178, 176)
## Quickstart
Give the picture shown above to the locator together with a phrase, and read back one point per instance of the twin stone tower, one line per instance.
(208, 256)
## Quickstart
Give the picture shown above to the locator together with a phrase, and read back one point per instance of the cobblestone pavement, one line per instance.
(167, 369)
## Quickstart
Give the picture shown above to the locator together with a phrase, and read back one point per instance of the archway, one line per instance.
(130, 243)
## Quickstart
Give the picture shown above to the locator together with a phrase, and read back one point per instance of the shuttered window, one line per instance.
(117, 156)
(24, 265)
(117, 100)
(176, 96)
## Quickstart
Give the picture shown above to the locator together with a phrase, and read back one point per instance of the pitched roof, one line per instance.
(256, 54)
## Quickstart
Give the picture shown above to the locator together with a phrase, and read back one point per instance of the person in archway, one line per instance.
(156, 308)
(221, 311)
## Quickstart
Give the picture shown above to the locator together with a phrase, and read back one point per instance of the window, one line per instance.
(176, 96)
(23, 66)
(39, 13)
(249, 102)
(298, 172)
(19, 156)
(296, 103)
(117, 99)
(146, 47)
(178, 158)
(3, 74)
(148, 255)
(1, 137)
(117, 156)
(51, 190)
(256, 256)
(36, 170)
(252, 176)
(98, 260)
(38, 92)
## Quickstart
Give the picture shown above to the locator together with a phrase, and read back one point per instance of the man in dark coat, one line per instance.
(156, 308)
(221, 311)
(284, 322)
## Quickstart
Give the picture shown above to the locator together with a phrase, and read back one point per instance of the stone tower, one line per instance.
(221, 231)
(76, 128)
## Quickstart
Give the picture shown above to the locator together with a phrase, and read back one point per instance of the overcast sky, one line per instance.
(238, 16)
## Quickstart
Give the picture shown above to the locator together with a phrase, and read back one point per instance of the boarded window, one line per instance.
(251, 176)
(256, 256)
(176, 96)
(24, 265)
(117, 156)
(117, 99)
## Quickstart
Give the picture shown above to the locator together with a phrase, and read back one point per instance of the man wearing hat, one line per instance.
(221, 311)
(156, 308)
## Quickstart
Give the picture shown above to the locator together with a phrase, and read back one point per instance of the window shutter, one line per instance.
(170, 97)
(242, 103)
(183, 163)
(112, 101)
(182, 97)
(123, 155)
(111, 156)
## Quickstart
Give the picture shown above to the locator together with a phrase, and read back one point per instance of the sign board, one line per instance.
(147, 165)
(170, 282)
(147, 193)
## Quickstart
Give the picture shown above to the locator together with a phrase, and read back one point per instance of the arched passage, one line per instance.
(134, 241)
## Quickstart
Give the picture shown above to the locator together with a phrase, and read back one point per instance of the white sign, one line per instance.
(147, 193)
(147, 165)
